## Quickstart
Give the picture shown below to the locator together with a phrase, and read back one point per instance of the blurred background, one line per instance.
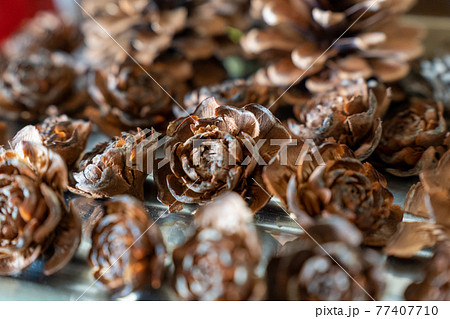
(13, 12)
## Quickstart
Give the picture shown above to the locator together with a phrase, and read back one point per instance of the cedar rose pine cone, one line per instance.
(64, 136)
(30, 84)
(342, 186)
(184, 39)
(117, 167)
(344, 39)
(219, 261)
(34, 220)
(46, 30)
(127, 98)
(413, 139)
(127, 250)
(349, 114)
(306, 271)
(214, 150)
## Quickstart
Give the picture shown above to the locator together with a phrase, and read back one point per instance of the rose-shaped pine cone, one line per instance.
(182, 38)
(342, 186)
(428, 199)
(117, 167)
(46, 30)
(413, 139)
(305, 271)
(214, 150)
(32, 83)
(61, 134)
(34, 220)
(219, 261)
(436, 284)
(127, 250)
(127, 98)
(326, 39)
(238, 93)
(349, 114)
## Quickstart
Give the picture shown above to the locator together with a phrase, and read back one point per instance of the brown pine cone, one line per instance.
(117, 167)
(32, 83)
(209, 153)
(45, 31)
(183, 38)
(238, 93)
(220, 260)
(436, 284)
(305, 271)
(341, 185)
(127, 250)
(437, 73)
(128, 98)
(34, 220)
(413, 139)
(428, 199)
(297, 33)
(350, 114)
(62, 135)
(143, 28)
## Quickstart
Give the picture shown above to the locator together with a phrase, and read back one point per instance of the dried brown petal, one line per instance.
(127, 248)
(219, 261)
(413, 138)
(64, 136)
(34, 220)
(214, 151)
(436, 284)
(309, 272)
(412, 237)
(116, 168)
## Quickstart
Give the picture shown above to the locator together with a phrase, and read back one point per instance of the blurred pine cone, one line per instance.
(183, 37)
(330, 268)
(45, 31)
(34, 220)
(437, 72)
(127, 249)
(436, 284)
(127, 98)
(298, 32)
(413, 138)
(219, 262)
(32, 83)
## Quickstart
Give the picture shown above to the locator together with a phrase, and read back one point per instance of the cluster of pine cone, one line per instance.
(328, 109)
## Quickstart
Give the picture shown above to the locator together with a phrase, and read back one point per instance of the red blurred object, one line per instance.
(14, 12)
